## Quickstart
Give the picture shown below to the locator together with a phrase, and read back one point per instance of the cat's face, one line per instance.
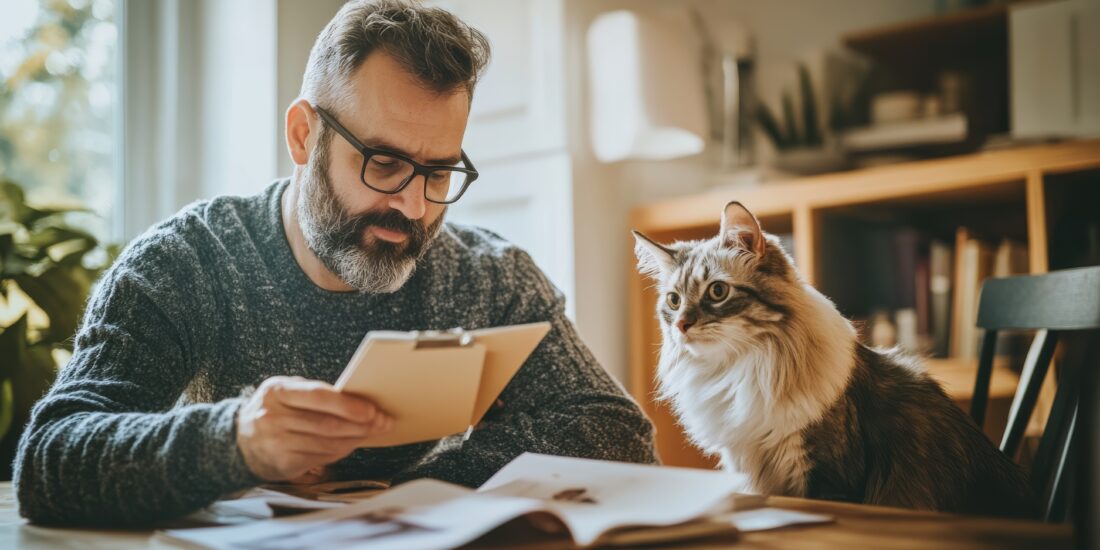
(719, 296)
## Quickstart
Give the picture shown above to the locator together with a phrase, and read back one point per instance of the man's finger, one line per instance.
(317, 396)
(315, 423)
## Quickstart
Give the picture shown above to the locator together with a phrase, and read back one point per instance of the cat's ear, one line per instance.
(653, 258)
(741, 229)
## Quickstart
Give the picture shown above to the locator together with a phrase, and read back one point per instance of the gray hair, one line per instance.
(443, 52)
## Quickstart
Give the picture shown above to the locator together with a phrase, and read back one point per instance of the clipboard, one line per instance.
(436, 383)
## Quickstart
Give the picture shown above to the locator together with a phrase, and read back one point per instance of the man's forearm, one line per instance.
(126, 468)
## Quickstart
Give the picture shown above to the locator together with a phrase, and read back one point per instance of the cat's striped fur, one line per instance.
(764, 371)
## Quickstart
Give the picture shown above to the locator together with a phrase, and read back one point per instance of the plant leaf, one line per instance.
(13, 345)
(60, 291)
(770, 126)
(810, 128)
(7, 407)
(790, 122)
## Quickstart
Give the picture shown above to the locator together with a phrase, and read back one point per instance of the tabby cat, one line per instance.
(763, 371)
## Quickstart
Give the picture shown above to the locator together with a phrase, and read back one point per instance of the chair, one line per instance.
(1062, 306)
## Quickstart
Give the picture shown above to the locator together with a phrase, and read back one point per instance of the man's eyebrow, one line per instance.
(387, 146)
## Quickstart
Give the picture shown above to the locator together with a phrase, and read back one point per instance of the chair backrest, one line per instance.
(1063, 306)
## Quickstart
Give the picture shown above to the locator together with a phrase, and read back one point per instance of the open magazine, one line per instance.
(595, 502)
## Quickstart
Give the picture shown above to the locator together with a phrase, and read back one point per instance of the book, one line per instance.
(939, 287)
(436, 384)
(973, 262)
(589, 502)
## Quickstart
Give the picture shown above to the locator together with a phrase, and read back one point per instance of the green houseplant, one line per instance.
(47, 268)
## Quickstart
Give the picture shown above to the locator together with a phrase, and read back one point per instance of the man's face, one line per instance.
(372, 240)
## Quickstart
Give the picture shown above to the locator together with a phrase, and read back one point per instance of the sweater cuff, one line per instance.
(221, 459)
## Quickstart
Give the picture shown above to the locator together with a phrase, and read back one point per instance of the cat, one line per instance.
(763, 371)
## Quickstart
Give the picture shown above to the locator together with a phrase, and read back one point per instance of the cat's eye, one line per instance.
(718, 291)
(673, 300)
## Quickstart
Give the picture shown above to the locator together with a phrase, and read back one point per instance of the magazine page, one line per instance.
(420, 514)
(594, 496)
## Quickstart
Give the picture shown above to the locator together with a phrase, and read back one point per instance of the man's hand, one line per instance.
(291, 425)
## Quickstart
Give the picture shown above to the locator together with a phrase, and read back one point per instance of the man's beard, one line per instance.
(337, 238)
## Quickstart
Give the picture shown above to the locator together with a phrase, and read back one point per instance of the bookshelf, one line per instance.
(1015, 193)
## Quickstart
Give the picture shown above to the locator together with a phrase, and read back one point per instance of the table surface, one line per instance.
(856, 526)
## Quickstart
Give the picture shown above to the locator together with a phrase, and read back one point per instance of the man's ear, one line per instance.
(653, 258)
(740, 229)
(302, 129)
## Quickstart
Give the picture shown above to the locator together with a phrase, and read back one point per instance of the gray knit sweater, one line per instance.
(140, 425)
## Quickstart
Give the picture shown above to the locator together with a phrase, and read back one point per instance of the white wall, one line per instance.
(238, 96)
(298, 24)
(199, 87)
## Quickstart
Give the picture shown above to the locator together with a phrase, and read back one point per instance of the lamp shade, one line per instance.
(645, 86)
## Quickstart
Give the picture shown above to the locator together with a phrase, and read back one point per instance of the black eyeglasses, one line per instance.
(388, 172)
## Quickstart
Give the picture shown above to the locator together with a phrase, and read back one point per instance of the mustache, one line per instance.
(391, 220)
(350, 232)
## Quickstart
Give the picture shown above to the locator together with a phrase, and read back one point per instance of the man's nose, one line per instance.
(410, 201)
(685, 322)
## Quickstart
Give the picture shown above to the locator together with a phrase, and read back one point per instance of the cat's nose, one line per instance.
(685, 323)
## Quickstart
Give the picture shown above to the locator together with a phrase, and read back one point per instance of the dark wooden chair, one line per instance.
(1062, 306)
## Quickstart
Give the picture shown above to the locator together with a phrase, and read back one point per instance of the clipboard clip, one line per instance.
(453, 338)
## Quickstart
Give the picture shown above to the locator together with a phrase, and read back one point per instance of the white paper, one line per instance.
(593, 496)
(590, 496)
(255, 504)
(764, 519)
(421, 514)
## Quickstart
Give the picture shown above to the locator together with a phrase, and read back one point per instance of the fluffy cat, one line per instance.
(764, 371)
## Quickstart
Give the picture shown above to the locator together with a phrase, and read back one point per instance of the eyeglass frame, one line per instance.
(418, 169)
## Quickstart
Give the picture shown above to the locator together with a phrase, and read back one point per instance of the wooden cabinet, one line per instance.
(1017, 193)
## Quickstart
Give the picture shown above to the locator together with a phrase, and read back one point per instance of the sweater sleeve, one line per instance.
(106, 444)
(561, 401)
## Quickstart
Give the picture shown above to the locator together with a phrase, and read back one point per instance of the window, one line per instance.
(58, 71)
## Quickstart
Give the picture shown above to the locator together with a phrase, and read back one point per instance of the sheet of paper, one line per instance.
(420, 514)
(255, 504)
(593, 496)
(764, 519)
(508, 348)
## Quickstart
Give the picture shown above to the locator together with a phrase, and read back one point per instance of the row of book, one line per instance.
(913, 289)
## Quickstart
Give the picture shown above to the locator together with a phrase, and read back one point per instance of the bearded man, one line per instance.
(205, 361)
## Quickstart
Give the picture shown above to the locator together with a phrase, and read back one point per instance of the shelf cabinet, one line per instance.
(1024, 194)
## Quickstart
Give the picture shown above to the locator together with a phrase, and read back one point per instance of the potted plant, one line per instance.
(47, 268)
(798, 139)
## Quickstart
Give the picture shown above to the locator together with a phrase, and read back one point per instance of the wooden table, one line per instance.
(856, 527)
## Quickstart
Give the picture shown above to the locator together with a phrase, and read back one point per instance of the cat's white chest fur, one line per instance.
(751, 406)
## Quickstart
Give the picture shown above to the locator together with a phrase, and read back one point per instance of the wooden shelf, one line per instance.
(914, 38)
(968, 173)
(1013, 180)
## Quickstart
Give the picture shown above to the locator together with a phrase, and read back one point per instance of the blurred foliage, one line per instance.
(58, 96)
(57, 104)
(47, 268)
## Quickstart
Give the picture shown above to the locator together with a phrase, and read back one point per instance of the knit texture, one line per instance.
(141, 424)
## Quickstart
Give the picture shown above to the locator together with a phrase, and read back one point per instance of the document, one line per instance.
(437, 384)
(594, 502)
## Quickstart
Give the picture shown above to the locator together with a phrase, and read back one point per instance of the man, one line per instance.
(204, 362)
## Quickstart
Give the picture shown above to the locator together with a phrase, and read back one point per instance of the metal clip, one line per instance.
(453, 338)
